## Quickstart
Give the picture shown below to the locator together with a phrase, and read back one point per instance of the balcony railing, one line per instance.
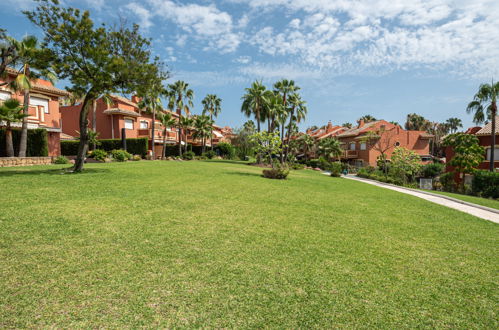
(350, 154)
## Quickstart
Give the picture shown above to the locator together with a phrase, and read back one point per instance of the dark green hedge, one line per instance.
(485, 184)
(37, 145)
(134, 146)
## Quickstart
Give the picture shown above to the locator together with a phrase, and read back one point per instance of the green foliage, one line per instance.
(330, 148)
(314, 163)
(135, 146)
(37, 142)
(405, 164)
(485, 184)
(324, 164)
(242, 140)
(226, 150)
(278, 171)
(267, 144)
(297, 166)
(447, 182)
(120, 155)
(188, 155)
(61, 160)
(98, 154)
(432, 170)
(136, 158)
(210, 154)
(468, 153)
(335, 169)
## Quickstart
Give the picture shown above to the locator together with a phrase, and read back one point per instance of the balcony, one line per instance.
(349, 154)
(144, 132)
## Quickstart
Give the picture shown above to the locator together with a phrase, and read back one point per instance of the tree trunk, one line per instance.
(153, 131)
(185, 139)
(163, 153)
(211, 131)
(493, 144)
(94, 123)
(8, 141)
(83, 146)
(288, 135)
(204, 144)
(269, 128)
(23, 141)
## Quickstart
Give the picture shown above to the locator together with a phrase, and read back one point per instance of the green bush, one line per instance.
(98, 154)
(335, 169)
(324, 164)
(120, 155)
(279, 172)
(297, 166)
(226, 150)
(447, 181)
(136, 158)
(137, 146)
(189, 155)
(485, 184)
(36, 146)
(61, 160)
(432, 170)
(313, 163)
(210, 154)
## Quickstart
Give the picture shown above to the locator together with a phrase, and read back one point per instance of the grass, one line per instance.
(213, 244)
(492, 203)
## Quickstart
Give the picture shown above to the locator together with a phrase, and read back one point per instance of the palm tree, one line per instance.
(454, 124)
(367, 119)
(180, 98)
(30, 57)
(166, 120)
(254, 101)
(273, 108)
(330, 148)
(150, 102)
(347, 125)
(249, 126)
(185, 124)
(212, 105)
(203, 126)
(484, 106)
(298, 105)
(307, 144)
(10, 112)
(415, 122)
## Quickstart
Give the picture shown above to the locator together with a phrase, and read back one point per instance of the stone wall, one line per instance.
(24, 161)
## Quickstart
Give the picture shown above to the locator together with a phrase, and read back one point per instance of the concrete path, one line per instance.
(473, 209)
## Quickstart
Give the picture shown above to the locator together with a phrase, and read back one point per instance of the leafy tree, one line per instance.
(10, 112)
(166, 120)
(330, 148)
(484, 106)
(242, 139)
(267, 144)
(347, 125)
(180, 98)
(273, 109)
(95, 60)
(367, 119)
(454, 124)
(416, 122)
(468, 154)
(254, 101)
(212, 105)
(405, 164)
(203, 126)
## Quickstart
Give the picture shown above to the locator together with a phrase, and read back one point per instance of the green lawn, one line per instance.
(213, 244)
(492, 203)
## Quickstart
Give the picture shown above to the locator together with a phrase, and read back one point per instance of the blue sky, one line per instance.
(386, 58)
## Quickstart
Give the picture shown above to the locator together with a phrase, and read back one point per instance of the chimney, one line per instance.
(135, 99)
(361, 123)
(329, 127)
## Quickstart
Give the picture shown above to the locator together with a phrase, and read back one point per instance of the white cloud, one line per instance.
(243, 59)
(142, 13)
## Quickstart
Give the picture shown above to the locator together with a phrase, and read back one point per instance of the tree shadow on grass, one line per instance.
(245, 174)
(240, 162)
(53, 171)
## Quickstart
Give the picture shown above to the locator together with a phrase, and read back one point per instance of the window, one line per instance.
(352, 145)
(128, 123)
(39, 103)
(4, 96)
(144, 124)
(363, 146)
(397, 144)
(496, 154)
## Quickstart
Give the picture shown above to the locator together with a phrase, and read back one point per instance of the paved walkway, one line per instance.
(473, 209)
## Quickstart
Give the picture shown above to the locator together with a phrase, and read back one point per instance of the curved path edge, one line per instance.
(480, 211)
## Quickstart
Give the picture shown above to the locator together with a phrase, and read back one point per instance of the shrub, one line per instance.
(120, 155)
(98, 154)
(370, 169)
(335, 169)
(313, 163)
(226, 150)
(324, 164)
(279, 172)
(137, 146)
(61, 160)
(297, 166)
(432, 170)
(210, 154)
(189, 155)
(136, 158)
(485, 184)
(447, 181)
(36, 146)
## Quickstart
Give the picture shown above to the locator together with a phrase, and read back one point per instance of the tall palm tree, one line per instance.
(454, 124)
(415, 122)
(367, 119)
(150, 103)
(298, 105)
(254, 101)
(185, 123)
(347, 125)
(286, 88)
(180, 98)
(33, 66)
(484, 106)
(273, 108)
(10, 112)
(166, 120)
(203, 126)
(212, 105)
(307, 144)
(330, 148)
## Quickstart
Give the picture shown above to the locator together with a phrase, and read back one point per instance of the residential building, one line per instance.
(43, 110)
(484, 135)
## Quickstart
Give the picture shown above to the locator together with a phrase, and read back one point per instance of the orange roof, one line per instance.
(487, 129)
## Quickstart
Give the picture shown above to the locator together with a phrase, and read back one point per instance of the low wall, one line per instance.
(24, 161)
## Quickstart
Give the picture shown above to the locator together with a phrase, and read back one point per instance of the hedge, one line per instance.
(37, 144)
(134, 146)
(485, 184)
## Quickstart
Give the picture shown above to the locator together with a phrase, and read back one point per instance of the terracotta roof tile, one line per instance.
(487, 129)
